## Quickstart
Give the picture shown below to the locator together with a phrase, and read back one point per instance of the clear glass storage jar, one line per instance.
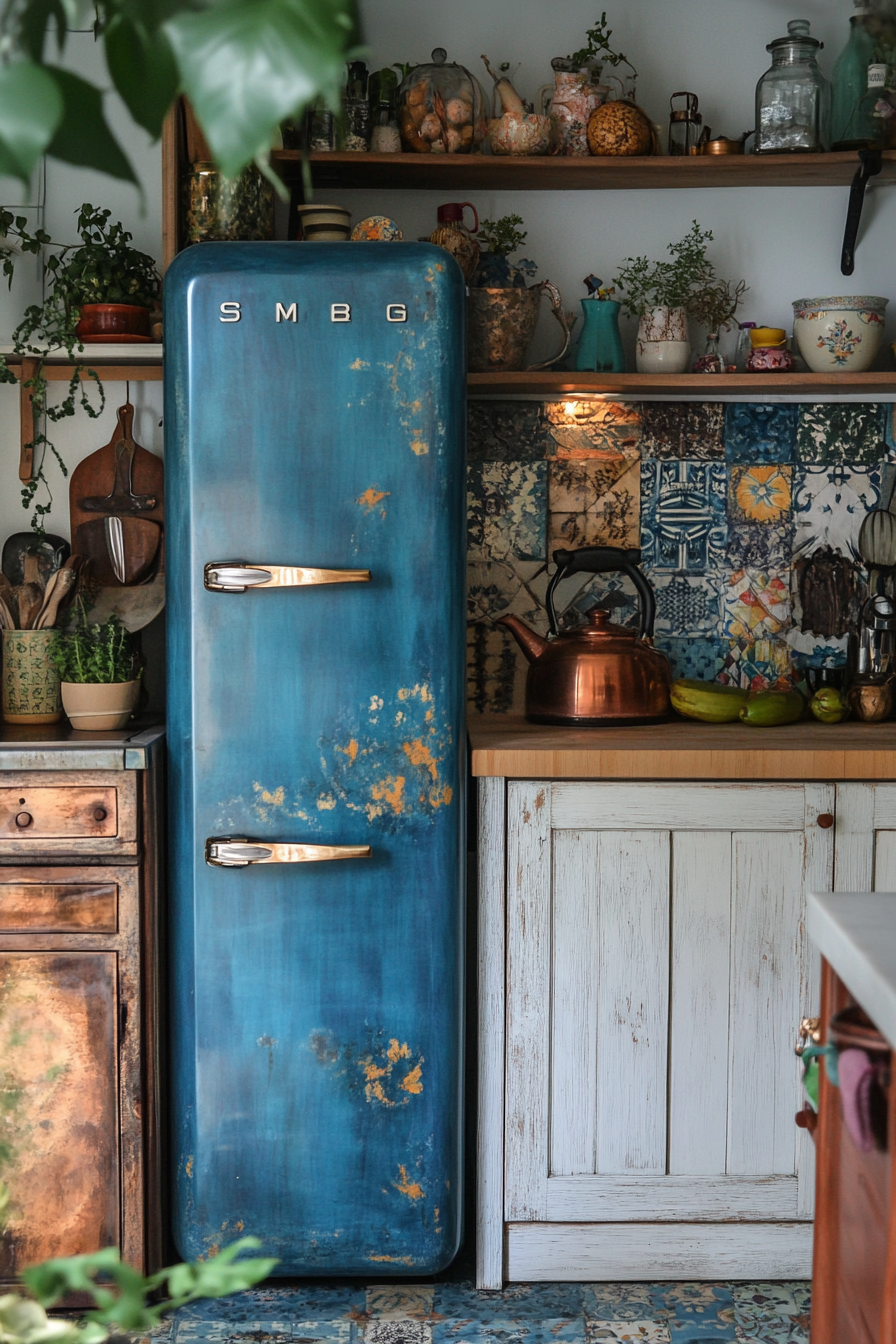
(793, 97)
(441, 108)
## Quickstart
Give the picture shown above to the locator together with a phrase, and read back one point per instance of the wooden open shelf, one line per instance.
(698, 386)
(469, 172)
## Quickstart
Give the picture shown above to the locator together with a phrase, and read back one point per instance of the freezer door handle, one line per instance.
(235, 576)
(227, 851)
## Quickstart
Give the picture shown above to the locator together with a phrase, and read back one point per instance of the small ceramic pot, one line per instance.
(325, 223)
(870, 700)
(840, 334)
(663, 345)
(98, 707)
(30, 685)
(769, 359)
(112, 321)
(519, 135)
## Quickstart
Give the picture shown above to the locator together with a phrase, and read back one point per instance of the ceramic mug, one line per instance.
(769, 359)
(325, 223)
(30, 684)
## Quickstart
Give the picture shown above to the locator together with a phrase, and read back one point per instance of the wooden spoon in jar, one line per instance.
(62, 590)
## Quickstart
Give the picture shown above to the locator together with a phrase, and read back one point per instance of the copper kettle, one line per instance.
(598, 674)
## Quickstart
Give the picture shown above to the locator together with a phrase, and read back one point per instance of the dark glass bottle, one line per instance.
(357, 109)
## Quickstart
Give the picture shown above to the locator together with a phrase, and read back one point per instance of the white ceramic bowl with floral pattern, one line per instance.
(840, 334)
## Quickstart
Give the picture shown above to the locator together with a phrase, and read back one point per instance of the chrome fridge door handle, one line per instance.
(227, 851)
(235, 576)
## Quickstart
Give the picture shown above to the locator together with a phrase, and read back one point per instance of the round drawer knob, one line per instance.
(99, 814)
(825, 821)
(23, 819)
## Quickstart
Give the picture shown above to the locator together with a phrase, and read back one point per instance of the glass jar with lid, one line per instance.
(793, 97)
(441, 108)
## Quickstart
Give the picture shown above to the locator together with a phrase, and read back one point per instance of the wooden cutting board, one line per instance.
(120, 480)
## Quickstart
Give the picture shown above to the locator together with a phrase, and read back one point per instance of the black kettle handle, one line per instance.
(604, 560)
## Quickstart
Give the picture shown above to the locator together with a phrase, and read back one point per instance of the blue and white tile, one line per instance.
(683, 515)
(631, 1332)
(688, 604)
(755, 432)
(700, 658)
(830, 504)
(614, 592)
(760, 545)
(506, 510)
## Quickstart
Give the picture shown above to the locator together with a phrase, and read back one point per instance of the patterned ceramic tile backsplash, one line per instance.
(744, 513)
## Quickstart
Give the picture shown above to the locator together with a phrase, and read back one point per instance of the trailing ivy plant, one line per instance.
(246, 66)
(120, 1293)
(99, 654)
(101, 268)
(687, 281)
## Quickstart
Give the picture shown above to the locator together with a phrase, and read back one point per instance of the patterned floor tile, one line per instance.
(397, 1331)
(583, 429)
(645, 1332)
(507, 431)
(760, 495)
(286, 1330)
(830, 433)
(394, 1302)
(760, 433)
(688, 604)
(506, 510)
(683, 430)
(683, 521)
(829, 506)
(756, 604)
(622, 1302)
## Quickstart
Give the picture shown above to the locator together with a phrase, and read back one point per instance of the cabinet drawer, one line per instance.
(81, 812)
(34, 906)
(58, 813)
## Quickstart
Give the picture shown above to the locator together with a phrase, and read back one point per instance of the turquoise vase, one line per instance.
(600, 345)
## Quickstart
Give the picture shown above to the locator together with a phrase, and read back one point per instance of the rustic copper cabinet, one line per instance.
(79, 1128)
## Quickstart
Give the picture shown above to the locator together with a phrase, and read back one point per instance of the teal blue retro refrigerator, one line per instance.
(315, 406)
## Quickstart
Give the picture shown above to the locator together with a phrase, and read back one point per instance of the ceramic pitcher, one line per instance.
(571, 101)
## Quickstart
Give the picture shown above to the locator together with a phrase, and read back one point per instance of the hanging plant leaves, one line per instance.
(36, 18)
(31, 108)
(83, 136)
(143, 69)
(245, 68)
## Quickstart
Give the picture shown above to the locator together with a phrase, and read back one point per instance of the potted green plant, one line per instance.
(502, 310)
(99, 289)
(97, 666)
(713, 307)
(662, 294)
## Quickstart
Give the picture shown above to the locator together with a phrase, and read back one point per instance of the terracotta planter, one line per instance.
(95, 706)
(30, 681)
(113, 322)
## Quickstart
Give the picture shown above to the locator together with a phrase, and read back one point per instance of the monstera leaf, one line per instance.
(246, 65)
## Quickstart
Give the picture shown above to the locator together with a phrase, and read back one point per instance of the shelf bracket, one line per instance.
(870, 164)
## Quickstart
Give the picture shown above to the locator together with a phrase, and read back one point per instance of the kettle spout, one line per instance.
(532, 644)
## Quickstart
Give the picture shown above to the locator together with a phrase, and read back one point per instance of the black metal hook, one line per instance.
(870, 164)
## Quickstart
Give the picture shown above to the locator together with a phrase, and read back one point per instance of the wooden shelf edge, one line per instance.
(699, 385)
(486, 171)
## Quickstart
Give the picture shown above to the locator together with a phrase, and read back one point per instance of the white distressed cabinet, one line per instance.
(644, 967)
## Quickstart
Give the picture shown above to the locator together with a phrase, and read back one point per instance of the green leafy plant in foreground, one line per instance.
(687, 281)
(120, 1293)
(99, 654)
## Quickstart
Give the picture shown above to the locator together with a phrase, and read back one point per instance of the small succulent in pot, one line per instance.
(98, 669)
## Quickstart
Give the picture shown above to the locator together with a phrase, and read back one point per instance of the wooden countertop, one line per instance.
(509, 746)
(856, 934)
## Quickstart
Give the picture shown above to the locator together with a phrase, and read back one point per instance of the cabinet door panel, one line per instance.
(574, 1015)
(765, 984)
(59, 1080)
(702, 807)
(57, 907)
(701, 939)
(633, 1001)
